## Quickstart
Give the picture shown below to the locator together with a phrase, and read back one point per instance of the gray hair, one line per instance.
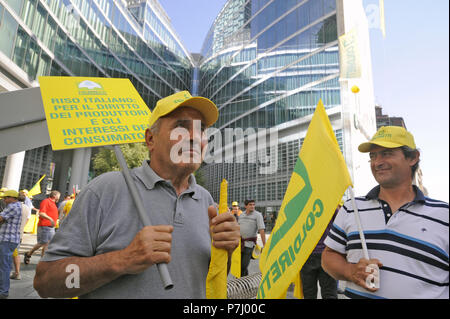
(155, 130)
(156, 126)
(54, 193)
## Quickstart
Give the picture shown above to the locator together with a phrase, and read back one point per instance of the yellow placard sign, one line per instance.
(87, 112)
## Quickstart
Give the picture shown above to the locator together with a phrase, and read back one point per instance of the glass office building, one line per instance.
(266, 64)
(92, 38)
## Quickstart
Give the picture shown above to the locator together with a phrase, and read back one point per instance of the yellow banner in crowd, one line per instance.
(235, 268)
(216, 280)
(317, 184)
(36, 189)
(87, 112)
(349, 57)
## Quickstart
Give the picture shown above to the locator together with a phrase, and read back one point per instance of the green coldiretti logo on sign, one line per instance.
(294, 208)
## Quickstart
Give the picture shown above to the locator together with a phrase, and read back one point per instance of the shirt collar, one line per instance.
(149, 178)
(419, 198)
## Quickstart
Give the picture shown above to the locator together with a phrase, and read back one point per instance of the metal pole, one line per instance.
(373, 279)
(358, 223)
(145, 218)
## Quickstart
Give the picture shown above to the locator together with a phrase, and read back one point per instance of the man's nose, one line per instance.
(195, 130)
(377, 161)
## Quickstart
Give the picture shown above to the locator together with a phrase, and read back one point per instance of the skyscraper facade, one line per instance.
(266, 64)
(92, 38)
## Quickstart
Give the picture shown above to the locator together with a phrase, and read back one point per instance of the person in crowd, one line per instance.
(28, 201)
(114, 253)
(2, 202)
(251, 222)
(48, 216)
(61, 205)
(407, 234)
(67, 207)
(235, 210)
(312, 272)
(10, 219)
(26, 213)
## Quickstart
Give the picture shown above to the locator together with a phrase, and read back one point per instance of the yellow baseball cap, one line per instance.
(234, 204)
(11, 193)
(184, 98)
(389, 137)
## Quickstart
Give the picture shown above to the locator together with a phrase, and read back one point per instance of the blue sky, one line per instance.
(410, 70)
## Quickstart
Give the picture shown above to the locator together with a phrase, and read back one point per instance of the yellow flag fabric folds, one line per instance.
(349, 56)
(235, 268)
(31, 225)
(317, 184)
(36, 189)
(216, 280)
(298, 289)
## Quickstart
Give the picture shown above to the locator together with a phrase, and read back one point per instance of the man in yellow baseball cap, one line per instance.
(169, 104)
(2, 201)
(10, 220)
(389, 137)
(184, 218)
(403, 229)
(235, 210)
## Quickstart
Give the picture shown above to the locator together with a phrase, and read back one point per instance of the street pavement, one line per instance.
(23, 289)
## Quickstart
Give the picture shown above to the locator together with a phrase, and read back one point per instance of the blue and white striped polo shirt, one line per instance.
(412, 245)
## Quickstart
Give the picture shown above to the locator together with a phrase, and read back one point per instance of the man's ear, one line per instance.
(149, 139)
(416, 159)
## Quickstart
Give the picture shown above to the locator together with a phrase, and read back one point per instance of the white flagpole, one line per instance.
(358, 223)
(372, 280)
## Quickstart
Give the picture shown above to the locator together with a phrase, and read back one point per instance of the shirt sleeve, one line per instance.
(337, 236)
(260, 222)
(8, 212)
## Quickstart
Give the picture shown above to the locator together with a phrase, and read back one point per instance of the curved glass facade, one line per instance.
(273, 63)
(92, 38)
(266, 63)
(98, 38)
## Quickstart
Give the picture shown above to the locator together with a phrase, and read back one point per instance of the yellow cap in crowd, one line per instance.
(170, 103)
(389, 137)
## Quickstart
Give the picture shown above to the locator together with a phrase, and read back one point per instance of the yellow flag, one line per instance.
(298, 288)
(235, 268)
(36, 189)
(216, 280)
(317, 184)
(349, 57)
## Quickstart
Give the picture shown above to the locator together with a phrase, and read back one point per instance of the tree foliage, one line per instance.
(105, 160)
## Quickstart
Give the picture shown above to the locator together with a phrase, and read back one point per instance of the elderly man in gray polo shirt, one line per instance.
(102, 249)
(251, 222)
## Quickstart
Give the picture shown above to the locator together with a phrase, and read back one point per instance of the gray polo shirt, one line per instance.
(103, 219)
(250, 225)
